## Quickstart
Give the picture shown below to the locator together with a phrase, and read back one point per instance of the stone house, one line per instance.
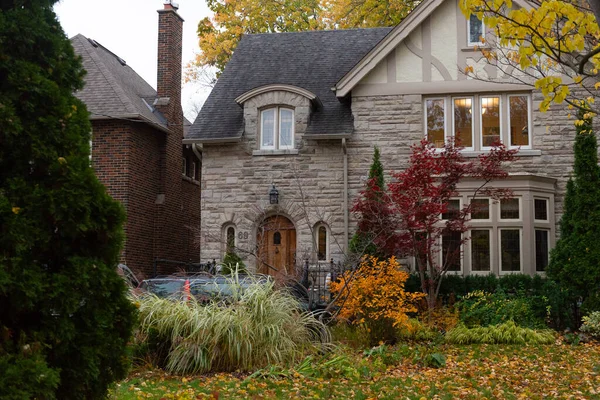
(299, 113)
(137, 151)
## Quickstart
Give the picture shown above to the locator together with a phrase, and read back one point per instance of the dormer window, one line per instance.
(277, 128)
(475, 31)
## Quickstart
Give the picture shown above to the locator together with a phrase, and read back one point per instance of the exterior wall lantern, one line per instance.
(274, 195)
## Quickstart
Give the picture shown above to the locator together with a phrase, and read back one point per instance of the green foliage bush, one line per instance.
(64, 317)
(505, 333)
(480, 308)
(232, 264)
(591, 324)
(256, 327)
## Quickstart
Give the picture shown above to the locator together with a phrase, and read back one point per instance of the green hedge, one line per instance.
(551, 303)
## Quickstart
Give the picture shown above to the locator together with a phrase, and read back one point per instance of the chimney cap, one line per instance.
(170, 4)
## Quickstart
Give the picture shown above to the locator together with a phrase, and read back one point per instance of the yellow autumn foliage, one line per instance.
(375, 292)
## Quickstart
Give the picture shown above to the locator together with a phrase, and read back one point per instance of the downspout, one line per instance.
(196, 149)
(345, 155)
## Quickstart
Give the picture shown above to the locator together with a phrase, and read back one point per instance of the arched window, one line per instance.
(277, 238)
(322, 242)
(229, 238)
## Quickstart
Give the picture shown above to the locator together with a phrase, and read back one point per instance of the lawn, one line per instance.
(402, 372)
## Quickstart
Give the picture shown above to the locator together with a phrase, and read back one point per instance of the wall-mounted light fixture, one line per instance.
(274, 195)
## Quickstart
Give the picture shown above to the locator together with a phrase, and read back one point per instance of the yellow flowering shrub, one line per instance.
(373, 297)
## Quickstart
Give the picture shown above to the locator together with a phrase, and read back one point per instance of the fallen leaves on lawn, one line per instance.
(471, 372)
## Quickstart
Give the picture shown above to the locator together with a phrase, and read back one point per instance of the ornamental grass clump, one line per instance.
(255, 327)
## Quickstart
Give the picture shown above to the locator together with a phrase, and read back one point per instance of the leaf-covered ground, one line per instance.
(471, 372)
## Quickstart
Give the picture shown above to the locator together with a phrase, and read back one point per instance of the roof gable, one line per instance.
(375, 58)
(313, 61)
(113, 89)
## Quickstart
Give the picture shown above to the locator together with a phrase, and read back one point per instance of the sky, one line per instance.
(129, 28)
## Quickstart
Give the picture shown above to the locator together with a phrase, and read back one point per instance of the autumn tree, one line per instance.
(575, 261)
(422, 193)
(553, 46)
(372, 214)
(65, 320)
(219, 35)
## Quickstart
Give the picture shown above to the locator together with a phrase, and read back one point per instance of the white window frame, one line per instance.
(547, 220)
(500, 219)
(492, 249)
(472, 147)
(490, 211)
(316, 237)
(507, 228)
(500, 116)
(445, 100)
(478, 43)
(277, 128)
(529, 121)
(461, 257)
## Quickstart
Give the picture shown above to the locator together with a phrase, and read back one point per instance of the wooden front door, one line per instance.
(276, 239)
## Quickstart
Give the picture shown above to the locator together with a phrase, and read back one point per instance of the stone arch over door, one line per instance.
(276, 241)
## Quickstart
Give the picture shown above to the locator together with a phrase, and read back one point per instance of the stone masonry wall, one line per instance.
(236, 179)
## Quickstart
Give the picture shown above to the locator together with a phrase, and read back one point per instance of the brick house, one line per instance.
(300, 113)
(137, 151)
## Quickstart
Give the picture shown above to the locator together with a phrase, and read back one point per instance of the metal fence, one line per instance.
(316, 279)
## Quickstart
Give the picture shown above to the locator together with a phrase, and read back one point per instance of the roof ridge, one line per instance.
(119, 92)
(318, 31)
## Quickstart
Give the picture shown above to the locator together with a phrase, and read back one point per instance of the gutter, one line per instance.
(346, 217)
(131, 118)
(210, 141)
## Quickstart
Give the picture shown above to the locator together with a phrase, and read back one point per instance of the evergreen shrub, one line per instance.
(64, 317)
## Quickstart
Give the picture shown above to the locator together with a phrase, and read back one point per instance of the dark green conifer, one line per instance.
(575, 261)
(64, 317)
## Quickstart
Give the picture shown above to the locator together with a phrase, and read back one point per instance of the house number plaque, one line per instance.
(242, 235)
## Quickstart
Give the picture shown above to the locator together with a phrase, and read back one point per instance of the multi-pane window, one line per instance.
(480, 209)
(463, 121)
(541, 250)
(453, 209)
(490, 121)
(518, 112)
(509, 208)
(451, 254)
(540, 209)
(480, 250)
(475, 31)
(510, 250)
(277, 128)
(435, 120)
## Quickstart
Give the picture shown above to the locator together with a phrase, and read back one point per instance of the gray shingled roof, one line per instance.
(313, 60)
(112, 89)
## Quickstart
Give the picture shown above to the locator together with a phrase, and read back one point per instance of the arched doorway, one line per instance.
(276, 240)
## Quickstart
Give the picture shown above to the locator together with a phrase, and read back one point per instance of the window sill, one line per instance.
(521, 153)
(287, 152)
(190, 180)
(475, 48)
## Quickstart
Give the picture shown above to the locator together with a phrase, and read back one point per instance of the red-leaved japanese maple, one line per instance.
(406, 219)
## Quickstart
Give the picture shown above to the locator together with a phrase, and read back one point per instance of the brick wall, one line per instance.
(128, 158)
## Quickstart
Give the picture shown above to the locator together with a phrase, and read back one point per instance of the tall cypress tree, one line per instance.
(575, 261)
(64, 316)
(370, 210)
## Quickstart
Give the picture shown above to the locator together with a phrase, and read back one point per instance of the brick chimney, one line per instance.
(170, 31)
